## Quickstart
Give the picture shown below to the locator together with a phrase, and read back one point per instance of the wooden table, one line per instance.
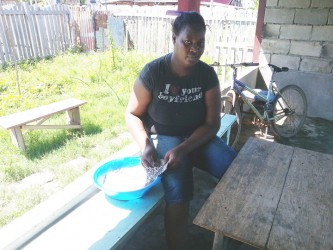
(273, 196)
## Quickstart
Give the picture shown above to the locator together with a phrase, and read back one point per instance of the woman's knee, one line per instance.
(214, 157)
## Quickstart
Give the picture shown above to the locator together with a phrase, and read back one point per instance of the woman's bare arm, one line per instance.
(136, 108)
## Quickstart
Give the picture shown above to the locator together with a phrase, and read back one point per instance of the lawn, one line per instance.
(104, 80)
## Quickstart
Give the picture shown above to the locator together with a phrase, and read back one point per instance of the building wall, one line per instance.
(299, 34)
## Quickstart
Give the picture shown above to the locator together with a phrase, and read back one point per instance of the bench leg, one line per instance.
(17, 137)
(73, 116)
(228, 135)
(218, 241)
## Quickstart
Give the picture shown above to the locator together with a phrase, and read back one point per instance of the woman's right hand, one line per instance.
(149, 156)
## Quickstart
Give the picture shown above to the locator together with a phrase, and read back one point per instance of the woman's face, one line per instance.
(189, 45)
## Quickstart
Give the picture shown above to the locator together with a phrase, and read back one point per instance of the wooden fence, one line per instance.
(229, 36)
(28, 31)
(34, 32)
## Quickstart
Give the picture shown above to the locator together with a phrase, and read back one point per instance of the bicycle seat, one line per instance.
(278, 69)
(255, 98)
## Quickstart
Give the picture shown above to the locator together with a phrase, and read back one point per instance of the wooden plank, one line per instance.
(51, 127)
(49, 34)
(35, 27)
(24, 117)
(104, 223)
(244, 202)
(67, 19)
(24, 32)
(9, 38)
(64, 27)
(14, 35)
(31, 29)
(61, 29)
(3, 40)
(56, 29)
(304, 217)
(25, 38)
(12, 11)
(54, 24)
(42, 34)
(20, 42)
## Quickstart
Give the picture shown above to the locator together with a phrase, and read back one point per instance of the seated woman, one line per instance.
(174, 114)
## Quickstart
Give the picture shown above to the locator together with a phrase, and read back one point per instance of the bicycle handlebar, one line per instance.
(278, 69)
(248, 64)
(245, 64)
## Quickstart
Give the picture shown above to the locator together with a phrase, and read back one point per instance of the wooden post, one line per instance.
(258, 36)
(189, 5)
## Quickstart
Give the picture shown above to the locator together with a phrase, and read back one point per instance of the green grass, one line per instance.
(104, 80)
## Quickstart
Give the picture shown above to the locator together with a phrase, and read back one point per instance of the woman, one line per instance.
(174, 114)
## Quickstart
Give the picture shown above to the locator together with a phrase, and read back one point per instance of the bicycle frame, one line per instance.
(238, 86)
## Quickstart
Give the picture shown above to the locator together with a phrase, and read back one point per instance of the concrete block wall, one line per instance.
(301, 33)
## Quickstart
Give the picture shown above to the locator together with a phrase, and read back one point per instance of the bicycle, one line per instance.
(283, 110)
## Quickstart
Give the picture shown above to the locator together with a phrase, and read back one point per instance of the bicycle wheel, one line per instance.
(290, 109)
(230, 105)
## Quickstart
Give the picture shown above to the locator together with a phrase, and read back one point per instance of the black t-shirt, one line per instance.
(178, 105)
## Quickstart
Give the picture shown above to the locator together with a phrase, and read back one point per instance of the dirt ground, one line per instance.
(316, 135)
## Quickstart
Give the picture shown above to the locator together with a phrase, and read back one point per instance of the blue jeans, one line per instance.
(213, 157)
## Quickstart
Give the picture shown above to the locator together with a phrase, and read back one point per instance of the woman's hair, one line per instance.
(190, 18)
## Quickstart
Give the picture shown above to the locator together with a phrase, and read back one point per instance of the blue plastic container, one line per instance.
(126, 162)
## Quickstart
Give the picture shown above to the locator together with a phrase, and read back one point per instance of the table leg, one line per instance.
(218, 241)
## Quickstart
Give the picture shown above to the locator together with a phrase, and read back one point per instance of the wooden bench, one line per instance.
(89, 222)
(226, 122)
(23, 120)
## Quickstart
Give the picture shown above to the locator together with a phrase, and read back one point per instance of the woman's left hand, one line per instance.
(173, 157)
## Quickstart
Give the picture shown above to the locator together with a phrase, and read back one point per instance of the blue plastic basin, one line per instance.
(126, 162)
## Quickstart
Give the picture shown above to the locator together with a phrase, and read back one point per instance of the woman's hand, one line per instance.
(149, 156)
(174, 156)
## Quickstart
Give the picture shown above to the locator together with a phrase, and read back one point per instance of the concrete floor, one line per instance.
(316, 134)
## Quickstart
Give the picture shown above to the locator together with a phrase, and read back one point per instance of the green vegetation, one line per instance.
(104, 80)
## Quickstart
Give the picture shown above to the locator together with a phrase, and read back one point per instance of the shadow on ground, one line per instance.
(316, 135)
